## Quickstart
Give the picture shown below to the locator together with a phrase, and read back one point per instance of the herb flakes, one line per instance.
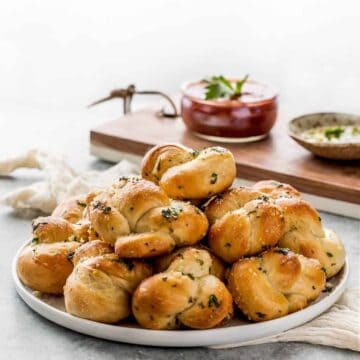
(102, 207)
(213, 178)
(213, 301)
(35, 241)
(191, 276)
(171, 213)
(194, 153)
(260, 315)
(80, 203)
(200, 261)
(263, 197)
(70, 255)
(283, 251)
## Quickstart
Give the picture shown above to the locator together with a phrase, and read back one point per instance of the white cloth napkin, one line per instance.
(60, 182)
(338, 327)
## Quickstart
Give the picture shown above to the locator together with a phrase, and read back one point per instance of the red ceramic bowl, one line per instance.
(249, 118)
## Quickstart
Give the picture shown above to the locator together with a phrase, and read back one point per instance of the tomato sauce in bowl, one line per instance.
(249, 118)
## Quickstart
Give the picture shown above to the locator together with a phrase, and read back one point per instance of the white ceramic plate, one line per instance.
(237, 331)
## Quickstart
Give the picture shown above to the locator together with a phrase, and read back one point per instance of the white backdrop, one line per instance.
(57, 56)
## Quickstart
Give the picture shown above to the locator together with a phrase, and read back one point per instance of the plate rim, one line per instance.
(178, 338)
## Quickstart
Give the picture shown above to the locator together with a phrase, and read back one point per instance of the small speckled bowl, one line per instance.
(343, 151)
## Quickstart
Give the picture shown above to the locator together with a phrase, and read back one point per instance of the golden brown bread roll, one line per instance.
(52, 229)
(45, 267)
(142, 221)
(276, 283)
(68, 220)
(100, 287)
(236, 198)
(217, 267)
(91, 249)
(71, 209)
(304, 234)
(276, 189)
(249, 230)
(235, 223)
(187, 174)
(45, 264)
(230, 200)
(184, 294)
(75, 212)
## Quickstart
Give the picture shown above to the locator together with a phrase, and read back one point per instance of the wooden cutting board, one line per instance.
(277, 157)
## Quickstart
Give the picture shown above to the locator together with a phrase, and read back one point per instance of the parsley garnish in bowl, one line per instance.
(219, 87)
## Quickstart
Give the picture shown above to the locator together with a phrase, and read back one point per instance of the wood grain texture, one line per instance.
(277, 157)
